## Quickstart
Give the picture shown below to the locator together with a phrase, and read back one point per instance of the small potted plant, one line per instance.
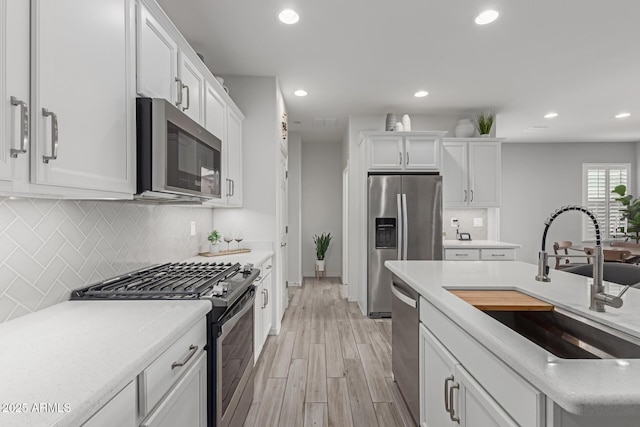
(484, 123)
(322, 244)
(214, 238)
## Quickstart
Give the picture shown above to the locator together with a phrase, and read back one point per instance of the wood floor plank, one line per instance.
(292, 413)
(347, 341)
(263, 367)
(317, 383)
(387, 415)
(303, 339)
(360, 331)
(373, 371)
(316, 415)
(252, 415)
(282, 359)
(359, 397)
(269, 412)
(340, 309)
(338, 405)
(382, 349)
(335, 363)
(398, 402)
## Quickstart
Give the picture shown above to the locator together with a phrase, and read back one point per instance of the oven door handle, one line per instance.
(229, 324)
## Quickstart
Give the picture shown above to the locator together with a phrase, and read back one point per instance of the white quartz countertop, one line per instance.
(80, 354)
(255, 257)
(478, 244)
(584, 387)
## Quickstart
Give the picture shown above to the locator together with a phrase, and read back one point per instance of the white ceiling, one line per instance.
(580, 58)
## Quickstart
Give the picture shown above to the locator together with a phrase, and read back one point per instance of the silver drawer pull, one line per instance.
(192, 351)
(54, 135)
(180, 86)
(447, 406)
(452, 413)
(24, 126)
(459, 254)
(188, 98)
(498, 255)
(268, 266)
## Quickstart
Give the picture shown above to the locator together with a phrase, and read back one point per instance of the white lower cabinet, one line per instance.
(484, 254)
(263, 308)
(449, 395)
(186, 404)
(120, 411)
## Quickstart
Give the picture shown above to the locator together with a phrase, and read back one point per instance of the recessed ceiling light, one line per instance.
(421, 94)
(622, 115)
(300, 92)
(487, 17)
(550, 115)
(289, 16)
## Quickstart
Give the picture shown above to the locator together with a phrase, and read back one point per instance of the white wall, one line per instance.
(322, 204)
(539, 178)
(295, 210)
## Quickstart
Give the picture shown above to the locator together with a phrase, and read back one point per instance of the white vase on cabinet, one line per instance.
(465, 129)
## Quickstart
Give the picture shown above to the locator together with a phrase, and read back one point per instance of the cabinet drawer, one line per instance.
(160, 376)
(462, 254)
(266, 267)
(524, 403)
(498, 254)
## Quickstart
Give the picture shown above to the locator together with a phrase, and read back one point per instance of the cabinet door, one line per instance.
(186, 404)
(385, 153)
(455, 191)
(476, 407)
(267, 311)
(119, 411)
(257, 321)
(157, 57)
(83, 116)
(484, 174)
(215, 114)
(14, 89)
(192, 88)
(422, 153)
(234, 159)
(437, 367)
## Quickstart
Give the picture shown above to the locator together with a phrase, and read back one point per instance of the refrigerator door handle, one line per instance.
(400, 226)
(405, 227)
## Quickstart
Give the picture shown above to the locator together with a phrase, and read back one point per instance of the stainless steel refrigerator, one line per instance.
(404, 223)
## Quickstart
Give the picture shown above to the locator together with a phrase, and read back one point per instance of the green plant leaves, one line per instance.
(322, 244)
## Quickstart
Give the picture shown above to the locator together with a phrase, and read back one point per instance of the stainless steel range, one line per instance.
(230, 323)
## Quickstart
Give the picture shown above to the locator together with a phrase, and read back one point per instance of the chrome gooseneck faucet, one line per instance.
(599, 299)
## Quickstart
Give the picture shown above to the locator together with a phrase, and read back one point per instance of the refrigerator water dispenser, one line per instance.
(386, 233)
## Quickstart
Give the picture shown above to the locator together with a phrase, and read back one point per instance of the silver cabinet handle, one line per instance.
(233, 187)
(192, 351)
(465, 196)
(269, 266)
(447, 406)
(407, 154)
(54, 135)
(498, 255)
(282, 245)
(188, 98)
(24, 126)
(452, 413)
(266, 293)
(228, 188)
(400, 159)
(264, 299)
(180, 86)
(471, 193)
(461, 254)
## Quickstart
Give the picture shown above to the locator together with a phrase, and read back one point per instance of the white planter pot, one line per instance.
(214, 248)
(465, 129)
(320, 264)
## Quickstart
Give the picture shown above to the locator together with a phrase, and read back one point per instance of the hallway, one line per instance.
(330, 365)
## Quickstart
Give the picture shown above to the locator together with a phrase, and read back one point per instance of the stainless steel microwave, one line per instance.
(177, 159)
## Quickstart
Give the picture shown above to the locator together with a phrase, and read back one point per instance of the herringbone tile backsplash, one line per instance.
(49, 247)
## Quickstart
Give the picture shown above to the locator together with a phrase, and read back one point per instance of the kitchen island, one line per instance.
(564, 392)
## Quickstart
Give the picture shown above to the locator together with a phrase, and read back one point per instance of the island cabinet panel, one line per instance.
(519, 400)
(120, 411)
(558, 417)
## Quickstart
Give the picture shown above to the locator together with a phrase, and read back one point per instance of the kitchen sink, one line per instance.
(569, 336)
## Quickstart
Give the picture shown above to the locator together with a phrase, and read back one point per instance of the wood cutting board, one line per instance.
(221, 253)
(495, 300)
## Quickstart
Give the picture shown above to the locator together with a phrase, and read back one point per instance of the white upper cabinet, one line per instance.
(192, 87)
(234, 158)
(83, 108)
(403, 151)
(157, 58)
(215, 112)
(14, 90)
(471, 173)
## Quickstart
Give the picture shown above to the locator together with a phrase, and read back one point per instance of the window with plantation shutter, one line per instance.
(599, 179)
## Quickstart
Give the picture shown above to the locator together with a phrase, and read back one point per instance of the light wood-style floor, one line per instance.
(330, 366)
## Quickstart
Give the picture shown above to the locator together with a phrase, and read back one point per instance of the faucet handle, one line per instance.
(614, 301)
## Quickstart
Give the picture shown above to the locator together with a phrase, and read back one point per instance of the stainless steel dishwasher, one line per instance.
(405, 344)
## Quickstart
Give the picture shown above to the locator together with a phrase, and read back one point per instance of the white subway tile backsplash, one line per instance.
(49, 247)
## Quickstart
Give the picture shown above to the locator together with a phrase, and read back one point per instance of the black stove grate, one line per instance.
(166, 281)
